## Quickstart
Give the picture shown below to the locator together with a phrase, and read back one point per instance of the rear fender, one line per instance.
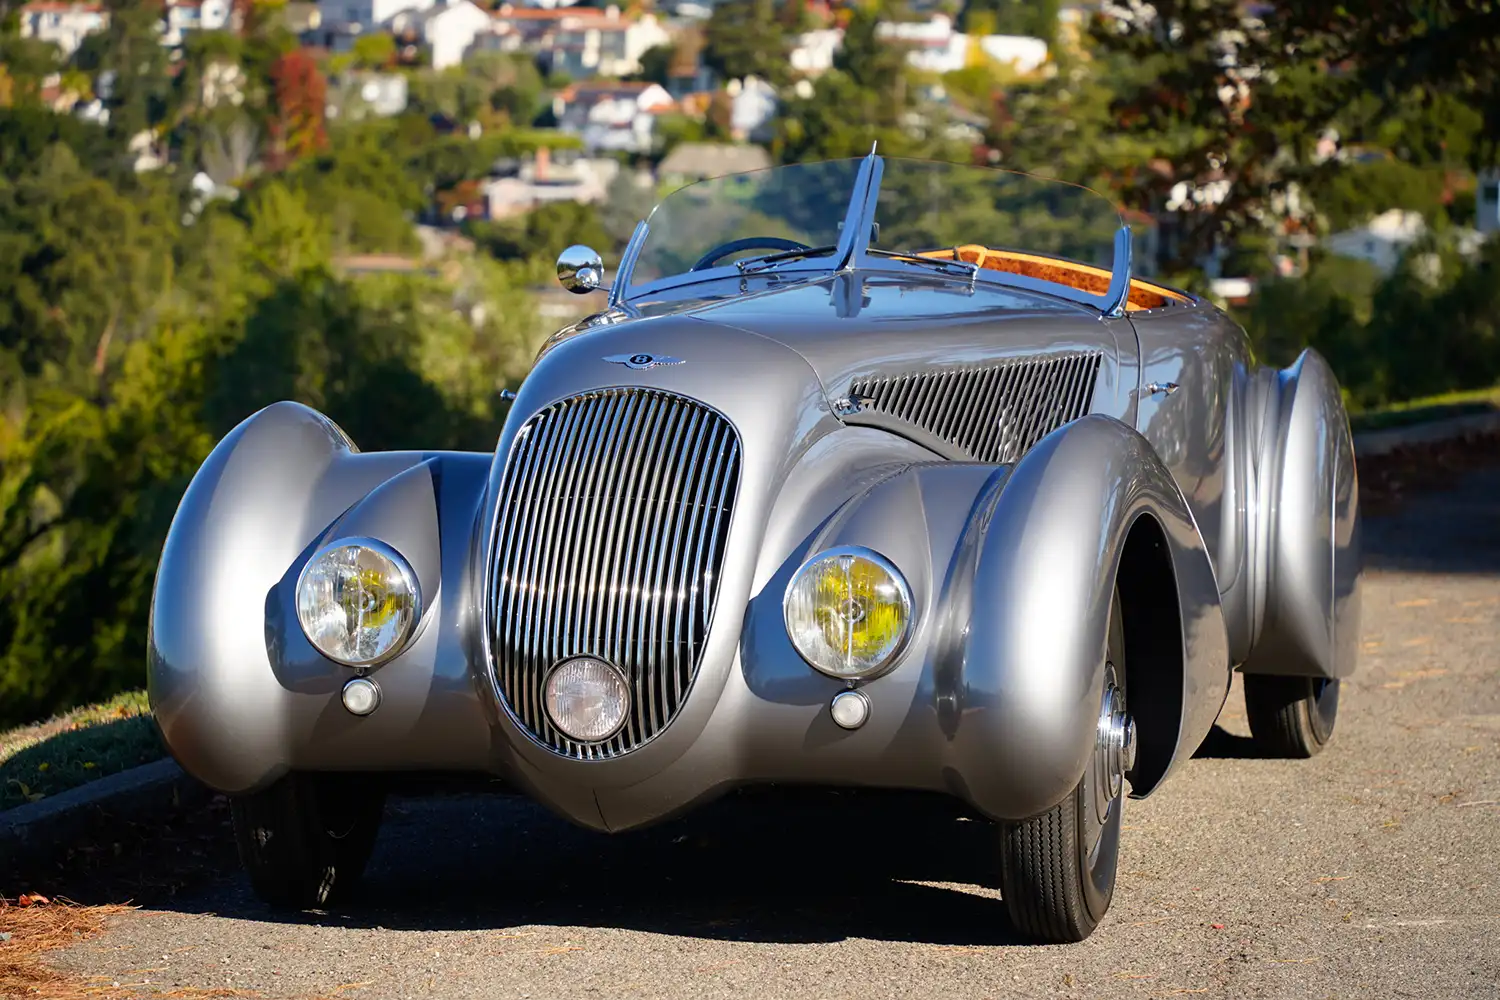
(1306, 529)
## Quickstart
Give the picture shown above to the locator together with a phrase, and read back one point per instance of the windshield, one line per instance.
(925, 207)
(984, 219)
(801, 204)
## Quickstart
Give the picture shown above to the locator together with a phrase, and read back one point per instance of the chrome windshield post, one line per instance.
(854, 238)
(1119, 279)
(627, 264)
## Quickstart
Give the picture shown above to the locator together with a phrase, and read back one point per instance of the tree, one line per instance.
(1244, 106)
(129, 66)
(1032, 18)
(656, 64)
(746, 38)
(301, 96)
(874, 63)
(374, 51)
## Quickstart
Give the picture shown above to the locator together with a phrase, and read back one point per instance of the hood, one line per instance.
(865, 325)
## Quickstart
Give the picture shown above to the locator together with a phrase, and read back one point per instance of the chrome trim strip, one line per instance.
(627, 264)
(1119, 280)
(854, 238)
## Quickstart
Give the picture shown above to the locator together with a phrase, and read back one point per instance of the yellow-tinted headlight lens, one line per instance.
(848, 612)
(357, 602)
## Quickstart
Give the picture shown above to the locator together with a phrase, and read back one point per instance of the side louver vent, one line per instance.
(995, 413)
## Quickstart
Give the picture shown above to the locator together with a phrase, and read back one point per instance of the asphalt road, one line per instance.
(1370, 871)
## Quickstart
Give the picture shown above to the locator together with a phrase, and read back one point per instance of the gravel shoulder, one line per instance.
(1366, 872)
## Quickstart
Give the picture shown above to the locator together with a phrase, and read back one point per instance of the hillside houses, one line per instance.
(65, 25)
(579, 42)
(448, 30)
(612, 116)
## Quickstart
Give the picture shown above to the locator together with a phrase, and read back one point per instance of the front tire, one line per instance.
(305, 840)
(1291, 716)
(1057, 870)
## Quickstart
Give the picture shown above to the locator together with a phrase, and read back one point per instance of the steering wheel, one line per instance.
(746, 243)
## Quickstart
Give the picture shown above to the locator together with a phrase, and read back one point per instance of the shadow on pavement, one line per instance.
(767, 865)
(1220, 743)
(1434, 510)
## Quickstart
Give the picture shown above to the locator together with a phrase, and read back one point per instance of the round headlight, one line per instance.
(357, 601)
(848, 612)
(587, 699)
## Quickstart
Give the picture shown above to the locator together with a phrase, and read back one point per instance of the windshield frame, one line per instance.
(853, 252)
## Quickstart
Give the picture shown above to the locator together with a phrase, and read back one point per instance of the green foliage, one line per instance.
(747, 38)
(1352, 195)
(656, 65)
(374, 51)
(1034, 18)
(1210, 100)
(129, 51)
(542, 232)
(1431, 326)
(131, 342)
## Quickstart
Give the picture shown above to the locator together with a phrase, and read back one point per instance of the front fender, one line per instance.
(1020, 672)
(239, 694)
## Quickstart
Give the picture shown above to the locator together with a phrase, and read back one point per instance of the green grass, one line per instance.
(1421, 411)
(75, 748)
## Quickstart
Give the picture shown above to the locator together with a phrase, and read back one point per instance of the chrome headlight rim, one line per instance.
(908, 606)
(408, 577)
(610, 667)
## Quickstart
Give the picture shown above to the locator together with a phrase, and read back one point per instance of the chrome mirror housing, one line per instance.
(580, 269)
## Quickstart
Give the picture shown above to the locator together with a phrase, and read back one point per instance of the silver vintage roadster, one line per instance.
(875, 472)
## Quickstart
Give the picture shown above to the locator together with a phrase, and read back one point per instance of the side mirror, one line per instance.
(580, 269)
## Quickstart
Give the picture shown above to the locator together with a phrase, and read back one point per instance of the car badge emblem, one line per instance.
(641, 362)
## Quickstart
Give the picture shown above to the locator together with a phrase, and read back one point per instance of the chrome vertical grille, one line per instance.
(995, 413)
(614, 511)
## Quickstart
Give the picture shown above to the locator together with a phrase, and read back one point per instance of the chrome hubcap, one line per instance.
(1114, 749)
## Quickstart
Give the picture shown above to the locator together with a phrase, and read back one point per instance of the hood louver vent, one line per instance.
(994, 413)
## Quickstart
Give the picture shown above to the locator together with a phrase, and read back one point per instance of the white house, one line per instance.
(365, 15)
(63, 24)
(612, 116)
(543, 180)
(448, 29)
(1487, 202)
(182, 17)
(812, 53)
(932, 45)
(1020, 51)
(592, 42)
(752, 108)
(1381, 241)
(364, 95)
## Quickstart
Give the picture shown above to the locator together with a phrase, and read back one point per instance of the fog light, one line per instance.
(587, 699)
(850, 709)
(361, 696)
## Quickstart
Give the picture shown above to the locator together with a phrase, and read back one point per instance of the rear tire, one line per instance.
(305, 840)
(1291, 716)
(1057, 870)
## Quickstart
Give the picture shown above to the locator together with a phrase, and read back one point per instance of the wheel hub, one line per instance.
(1114, 750)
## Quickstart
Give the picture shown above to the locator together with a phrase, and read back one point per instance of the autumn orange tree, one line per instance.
(301, 95)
